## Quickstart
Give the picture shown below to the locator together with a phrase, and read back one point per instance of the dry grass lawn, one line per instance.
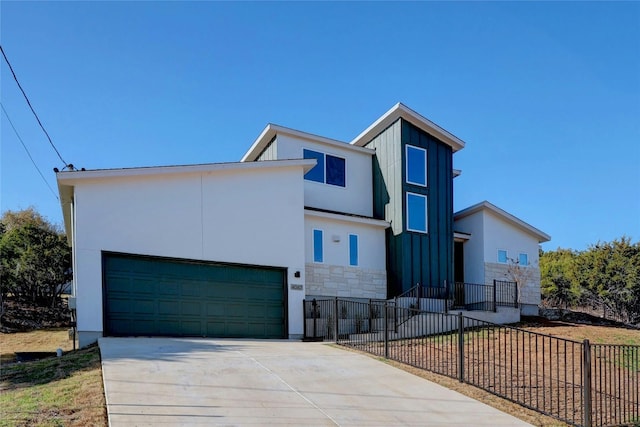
(64, 391)
(595, 334)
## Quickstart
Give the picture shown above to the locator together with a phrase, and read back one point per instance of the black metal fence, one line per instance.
(474, 296)
(580, 383)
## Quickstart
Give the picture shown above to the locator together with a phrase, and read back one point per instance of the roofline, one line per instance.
(402, 111)
(74, 176)
(68, 179)
(540, 235)
(271, 130)
(459, 236)
(346, 218)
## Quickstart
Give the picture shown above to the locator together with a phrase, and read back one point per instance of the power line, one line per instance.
(28, 153)
(29, 103)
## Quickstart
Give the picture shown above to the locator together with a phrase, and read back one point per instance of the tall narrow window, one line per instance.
(335, 170)
(502, 256)
(416, 165)
(353, 249)
(523, 259)
(318, 255)
(416, 212)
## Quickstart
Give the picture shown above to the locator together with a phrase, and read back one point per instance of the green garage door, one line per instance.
(156, 296)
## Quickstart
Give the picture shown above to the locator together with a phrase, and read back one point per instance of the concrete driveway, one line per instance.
(170, 381)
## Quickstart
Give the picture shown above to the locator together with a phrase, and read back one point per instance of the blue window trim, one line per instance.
(426, 213)
(324, 171)
(353, 250)
(526, 256)
(407, 149)
(506, 256)
(318, 246)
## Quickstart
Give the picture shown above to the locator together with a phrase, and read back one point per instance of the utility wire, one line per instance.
(28, 153)
(29, 103)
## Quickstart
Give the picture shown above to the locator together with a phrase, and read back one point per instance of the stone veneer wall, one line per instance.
(346, 282)
(529, 293)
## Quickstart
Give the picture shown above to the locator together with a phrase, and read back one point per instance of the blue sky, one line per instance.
(546, 95)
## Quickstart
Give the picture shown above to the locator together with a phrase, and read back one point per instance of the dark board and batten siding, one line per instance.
(432, 253)
(414, 257)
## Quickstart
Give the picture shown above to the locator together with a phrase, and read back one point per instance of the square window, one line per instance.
(353, 249)
(502, 256)
(328, 169)
(416, 212)
(317, 172)
(523, 259)
(318, 255)
(335, 170)
(416, 165)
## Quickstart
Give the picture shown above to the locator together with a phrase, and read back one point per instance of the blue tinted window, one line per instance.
(523, 259)
(335, 171)
(502, 256)
(353, 249)
(416, 212)
(416, 165)
(317, 173)
(317, 246)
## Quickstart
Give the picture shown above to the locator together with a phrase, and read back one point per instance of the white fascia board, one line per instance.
(459, 236)
(72, 177)
(272, 130)
(347, 218)
(402, 111)
(540, 235)
(66, 200)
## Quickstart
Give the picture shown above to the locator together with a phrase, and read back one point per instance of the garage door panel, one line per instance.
(168, 288)
(168, 308)
(153, 296)
(141, 306)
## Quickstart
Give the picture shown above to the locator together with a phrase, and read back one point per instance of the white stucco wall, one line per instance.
(371, 242)
(473, 248)
(334, 276)
(356, 197)
(500, 234)
(251, 216)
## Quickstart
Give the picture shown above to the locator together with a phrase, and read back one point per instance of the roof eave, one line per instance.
(541, 236)
(402, 111)
(271, 131)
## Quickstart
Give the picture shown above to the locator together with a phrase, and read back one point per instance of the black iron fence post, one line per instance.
(337, 321)
(460, 347)
(370, 316)
(314, 305)
(446, 296)
(515, 300)
(495, 293)
(586, 383)
(386, 330)
(304, 319)
(395, 314)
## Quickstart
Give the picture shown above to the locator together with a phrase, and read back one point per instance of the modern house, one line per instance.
(232, 249)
